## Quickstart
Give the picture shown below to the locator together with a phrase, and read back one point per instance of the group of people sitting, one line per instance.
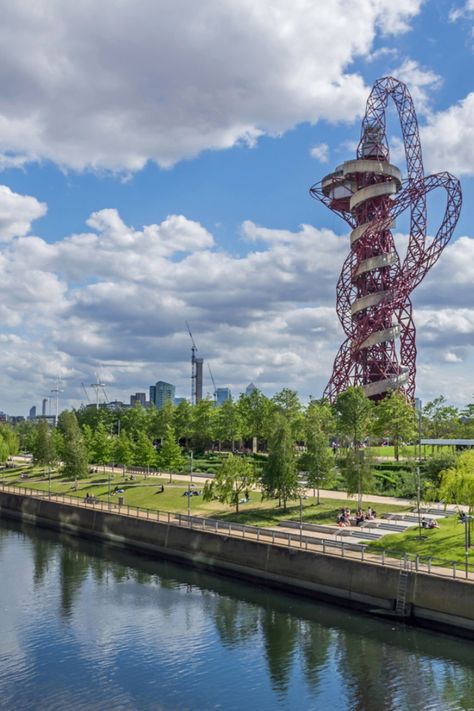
(429, 523)
(368, 515)
(344, 517)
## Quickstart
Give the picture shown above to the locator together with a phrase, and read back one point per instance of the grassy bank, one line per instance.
(445, 543)
(146, 493)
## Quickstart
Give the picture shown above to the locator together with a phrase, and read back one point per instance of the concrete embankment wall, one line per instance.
(434, 602)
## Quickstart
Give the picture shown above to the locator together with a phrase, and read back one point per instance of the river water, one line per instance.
(87, 626)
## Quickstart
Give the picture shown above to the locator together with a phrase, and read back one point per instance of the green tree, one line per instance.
(236, 476)
(439, 419)
(457, 482)
(122, 449)
(357, 469)
(228, 424)
(288, 403)
(183, 421)
(145, 452)
(42, 445)
(255, 410)
(318, 460)
(204, 414)
(354, 415)
(88, 435)
(436, 465)
(74, 455)
(280, 476)
(134, 420)
(102, 445)
(396, 419)
(170, 457)
(354, 421)
(161, 419)
(9, 441)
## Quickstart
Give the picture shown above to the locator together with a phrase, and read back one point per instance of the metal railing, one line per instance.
(298, 541)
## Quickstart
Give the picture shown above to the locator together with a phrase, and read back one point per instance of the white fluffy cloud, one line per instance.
(117, 298)
(17, 212)
(113, 85)
(320, 152)
(448, 139)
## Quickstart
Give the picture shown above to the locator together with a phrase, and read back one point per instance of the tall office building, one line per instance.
(162, 392)
(199, 362)
(45, 406)
(250, 388)
(222, 394)
(138, 398)
(32, 412)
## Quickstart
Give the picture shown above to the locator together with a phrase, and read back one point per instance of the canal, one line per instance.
(88, 626)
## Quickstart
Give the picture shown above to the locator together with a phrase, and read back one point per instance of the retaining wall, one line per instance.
(433, 602)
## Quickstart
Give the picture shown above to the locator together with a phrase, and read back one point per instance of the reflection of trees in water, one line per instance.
(43, 552)
(458, 688)
(235, 621)
(280, 634)
(73, 570)
(362, 663)
(315, 644)
(405, 669)
(386, 675)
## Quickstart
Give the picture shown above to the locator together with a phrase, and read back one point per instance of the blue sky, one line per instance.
(156, 160)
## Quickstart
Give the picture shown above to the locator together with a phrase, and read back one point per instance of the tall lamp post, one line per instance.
(466, 520)
(418, 406)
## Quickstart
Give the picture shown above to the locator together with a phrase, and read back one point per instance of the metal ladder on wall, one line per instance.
(400, 602)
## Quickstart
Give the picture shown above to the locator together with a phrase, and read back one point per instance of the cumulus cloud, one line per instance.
(112, 85)
(320, 152)
(117, 297)
(421, 82)
(448, 138)
(17, 212)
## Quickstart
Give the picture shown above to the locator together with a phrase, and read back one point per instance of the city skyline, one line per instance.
(161, 177)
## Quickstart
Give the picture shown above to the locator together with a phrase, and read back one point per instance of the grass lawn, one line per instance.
(146, 494)
(445, 542)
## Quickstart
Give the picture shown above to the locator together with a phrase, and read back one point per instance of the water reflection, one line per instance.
(135, 627)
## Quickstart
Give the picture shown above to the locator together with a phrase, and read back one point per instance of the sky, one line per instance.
(155, 161)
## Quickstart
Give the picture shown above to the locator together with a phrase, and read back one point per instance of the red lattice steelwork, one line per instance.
(373, 291)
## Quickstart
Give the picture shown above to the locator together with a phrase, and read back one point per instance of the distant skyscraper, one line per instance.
(222, 394)
(199, 362)
(32, 412)
(138, 398)
(162, 392)
(152, 394)
(44, 407)
(250, 388)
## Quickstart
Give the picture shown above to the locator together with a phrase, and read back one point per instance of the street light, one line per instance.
(418, 405)
(466, 520)
(301, 520)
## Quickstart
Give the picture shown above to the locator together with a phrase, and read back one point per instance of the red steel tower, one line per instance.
(373, 291)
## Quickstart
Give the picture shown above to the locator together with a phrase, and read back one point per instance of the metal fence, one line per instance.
(326, 546)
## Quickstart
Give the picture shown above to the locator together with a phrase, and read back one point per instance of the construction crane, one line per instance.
(98, 387)
(86, 393)
(213, 383)
(193, 367)
(56, 390)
